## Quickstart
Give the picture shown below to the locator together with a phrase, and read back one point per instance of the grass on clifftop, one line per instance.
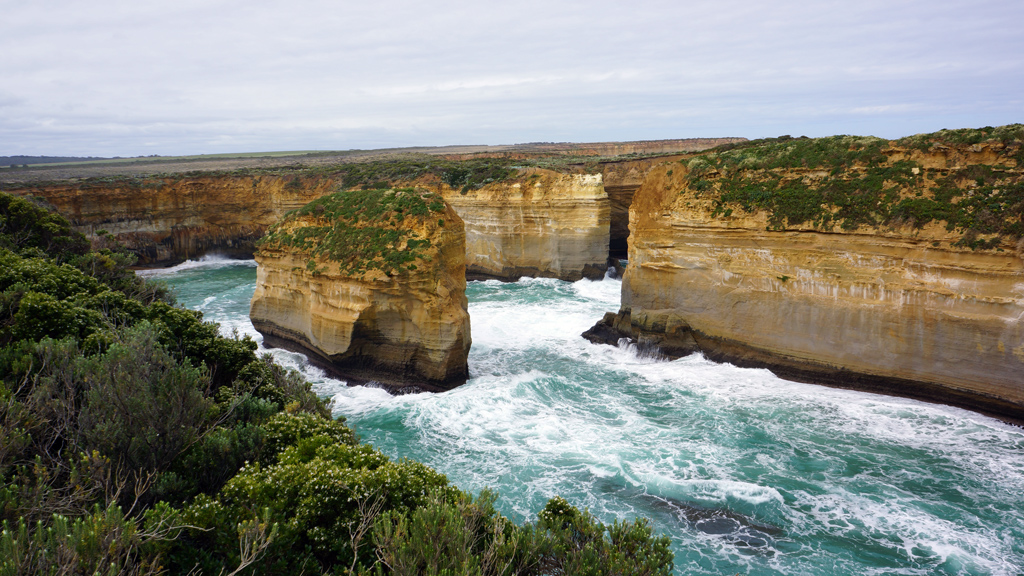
(360, 230)
(857, 185)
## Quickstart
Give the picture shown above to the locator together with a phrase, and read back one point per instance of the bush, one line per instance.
(142, 408)
(102, 542)
(266, 380)
(582, 545)
(455, 535)
(284, 430)
(318, 493)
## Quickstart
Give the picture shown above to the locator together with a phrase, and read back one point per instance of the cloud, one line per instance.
(123, 78)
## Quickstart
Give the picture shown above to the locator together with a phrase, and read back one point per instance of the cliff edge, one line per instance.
(857, 262)
(371, 285)
(165, 220)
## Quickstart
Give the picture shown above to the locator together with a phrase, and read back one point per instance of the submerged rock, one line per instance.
(371, 285)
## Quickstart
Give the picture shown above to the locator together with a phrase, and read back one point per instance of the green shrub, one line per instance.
(184, 333)
(103, 542)
(142, 408)
(455, 535)
(582, 545)
(266, 380)
(318, 493)
(284, 430)
(25, 224)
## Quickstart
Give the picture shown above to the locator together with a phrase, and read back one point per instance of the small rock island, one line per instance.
(371, 285)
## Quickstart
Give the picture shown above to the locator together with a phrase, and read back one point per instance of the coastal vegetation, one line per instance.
(359, 230)
(136, 439)
(848, 182)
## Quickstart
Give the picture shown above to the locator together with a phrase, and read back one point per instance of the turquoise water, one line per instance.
(747, 473)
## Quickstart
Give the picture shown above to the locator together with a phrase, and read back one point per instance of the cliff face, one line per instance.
(371, 285)
(542, 224)
(165, 220)
(724, 259)
(621, 181)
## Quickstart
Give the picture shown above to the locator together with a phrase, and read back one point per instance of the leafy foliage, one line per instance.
(856, 184)
(360, 230)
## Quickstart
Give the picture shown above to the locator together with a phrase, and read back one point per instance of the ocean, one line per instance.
(745, 472)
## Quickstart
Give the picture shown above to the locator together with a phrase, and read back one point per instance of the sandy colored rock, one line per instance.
(168, 220)
(622, 179)
(362, 319)
(542, 224)
(897, 308)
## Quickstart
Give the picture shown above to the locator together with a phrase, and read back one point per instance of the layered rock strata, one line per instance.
(621, 181)
(168, 220)
(542, 224)
(915, 305)
(371, 286)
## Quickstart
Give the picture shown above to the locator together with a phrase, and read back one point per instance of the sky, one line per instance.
(138, 77)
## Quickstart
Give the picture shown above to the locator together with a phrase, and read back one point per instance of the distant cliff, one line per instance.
(521, 220)
(887, 266)
(539, 224)
(170, 219)
(371, 285)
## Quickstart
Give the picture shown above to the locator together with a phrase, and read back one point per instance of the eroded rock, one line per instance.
(371, 285)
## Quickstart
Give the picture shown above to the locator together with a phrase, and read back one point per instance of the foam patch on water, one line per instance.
(927, 542)
(210, 261)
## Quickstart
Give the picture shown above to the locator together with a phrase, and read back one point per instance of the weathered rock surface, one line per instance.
(621, 180)
(897, 308)
(543, 224)
(168, 220)
(370, 289)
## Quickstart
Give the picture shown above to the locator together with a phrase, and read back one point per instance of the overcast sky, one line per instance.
(139, 77)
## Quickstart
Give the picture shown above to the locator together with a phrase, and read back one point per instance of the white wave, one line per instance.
(909, 532)
(607, 291)
(707, 492)
(208, 261)
(351, 401)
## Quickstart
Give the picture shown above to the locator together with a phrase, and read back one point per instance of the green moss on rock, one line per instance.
(850, 181)
(359, 230)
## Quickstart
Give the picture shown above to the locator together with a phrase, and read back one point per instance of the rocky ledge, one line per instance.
(371, 286)
(895, 267)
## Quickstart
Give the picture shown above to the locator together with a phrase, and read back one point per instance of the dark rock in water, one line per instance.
(737, 529)
(616, 268)
(663, 331)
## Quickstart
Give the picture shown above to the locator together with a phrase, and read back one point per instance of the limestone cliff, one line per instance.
(621, 179)
(166, 220)
(371, 285)
(541, 223)
(888, 266)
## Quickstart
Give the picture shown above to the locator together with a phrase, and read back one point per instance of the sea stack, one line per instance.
(371, 285)
(895, 267)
